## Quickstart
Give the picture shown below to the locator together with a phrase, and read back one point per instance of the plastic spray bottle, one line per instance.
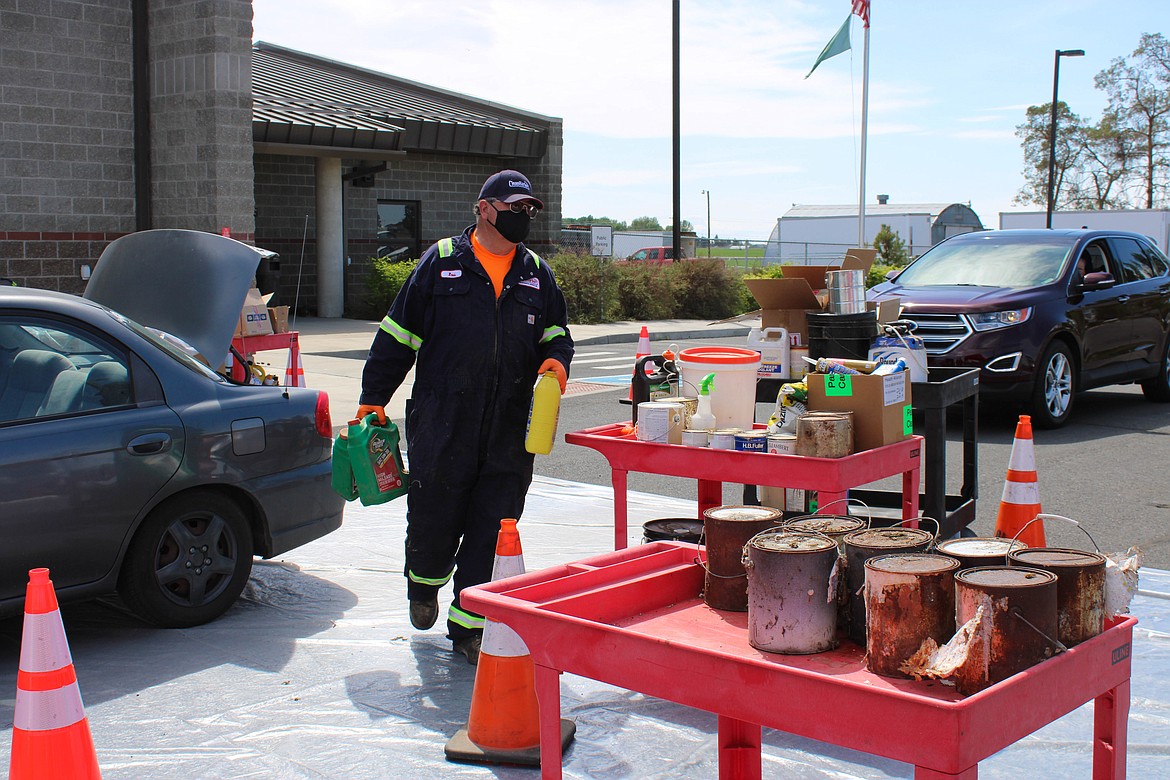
(704, 420)
(543, 414)
(376, 460)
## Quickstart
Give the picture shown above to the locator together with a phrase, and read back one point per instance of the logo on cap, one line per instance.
(521, 184)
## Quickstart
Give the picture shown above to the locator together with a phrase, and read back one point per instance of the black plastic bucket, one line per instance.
(841, 335)
(673, 529)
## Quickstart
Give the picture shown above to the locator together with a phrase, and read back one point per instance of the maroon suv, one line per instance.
(1044, 314)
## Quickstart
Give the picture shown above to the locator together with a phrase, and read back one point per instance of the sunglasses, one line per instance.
(520, 207)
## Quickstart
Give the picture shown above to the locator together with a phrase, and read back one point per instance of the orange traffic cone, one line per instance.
(294, 375)
(504, 727)
(50, 734)
(1021, 493)
(643, 351)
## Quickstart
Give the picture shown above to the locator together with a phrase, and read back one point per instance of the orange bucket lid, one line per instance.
(719, 355)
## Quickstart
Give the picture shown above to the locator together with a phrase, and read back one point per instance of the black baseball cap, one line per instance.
(508, 187)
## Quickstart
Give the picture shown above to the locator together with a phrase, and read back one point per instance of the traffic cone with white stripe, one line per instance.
(1021, 493)
(643, 351)
(504, 724)
(294, 376)
(50, 734)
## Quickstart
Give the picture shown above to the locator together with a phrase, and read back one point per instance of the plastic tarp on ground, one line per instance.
(317, 673)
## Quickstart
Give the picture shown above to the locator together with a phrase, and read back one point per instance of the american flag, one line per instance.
(861, 8)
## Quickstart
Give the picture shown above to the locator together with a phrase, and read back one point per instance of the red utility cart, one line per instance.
(633, 618)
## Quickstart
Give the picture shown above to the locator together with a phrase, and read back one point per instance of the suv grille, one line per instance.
(940, 333)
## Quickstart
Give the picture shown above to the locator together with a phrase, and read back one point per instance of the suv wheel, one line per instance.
(1158, 388)
(188, 561)
(1055, 387)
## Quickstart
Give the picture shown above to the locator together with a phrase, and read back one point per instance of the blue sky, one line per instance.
(949, 82)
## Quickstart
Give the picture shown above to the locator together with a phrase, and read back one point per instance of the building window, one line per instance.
(399, 235)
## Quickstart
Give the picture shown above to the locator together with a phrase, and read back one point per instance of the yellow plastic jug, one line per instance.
(543, 414)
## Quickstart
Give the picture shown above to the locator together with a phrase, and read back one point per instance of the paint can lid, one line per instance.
(888, 537)
(980, 547)
(1006, 577)
(791, 541)
(1046, 557)
(834, 525)
(912, 563)
(752, 513)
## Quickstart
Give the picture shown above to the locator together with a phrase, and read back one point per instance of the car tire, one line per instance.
(1157, 389)
(1055, 387)
(188, 561)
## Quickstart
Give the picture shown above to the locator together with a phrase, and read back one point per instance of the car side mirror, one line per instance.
(892, 274)
(1098, 280)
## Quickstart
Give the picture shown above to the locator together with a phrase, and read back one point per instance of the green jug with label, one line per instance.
(342, 480)
(376, 460)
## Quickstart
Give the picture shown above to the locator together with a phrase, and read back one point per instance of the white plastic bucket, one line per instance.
(733, 397)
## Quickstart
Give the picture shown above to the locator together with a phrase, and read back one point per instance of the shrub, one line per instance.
(705, 289)
(383, 283)
(588, 283)
(877, 273)
(644, 292)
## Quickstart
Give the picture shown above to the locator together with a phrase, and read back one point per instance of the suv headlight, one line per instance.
(999, 319)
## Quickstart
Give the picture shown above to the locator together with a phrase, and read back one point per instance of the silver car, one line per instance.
(128, 462)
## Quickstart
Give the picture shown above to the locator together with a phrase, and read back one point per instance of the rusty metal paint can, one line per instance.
(824, 434)
(975, 551)
(860, 546)
(723, 438)
(792, 587)
(1080, 589)
(751, 441)
(782, 443)
(907, 599)
(726, 530)
(1020, 605)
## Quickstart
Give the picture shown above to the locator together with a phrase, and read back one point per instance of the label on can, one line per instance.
(723, 439)
(695, 438)
(751, 441)
(782, 443)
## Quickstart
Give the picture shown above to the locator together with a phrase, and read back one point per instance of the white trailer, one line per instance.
(1154, 223)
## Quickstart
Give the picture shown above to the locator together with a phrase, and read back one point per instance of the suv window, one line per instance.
(1134, 262)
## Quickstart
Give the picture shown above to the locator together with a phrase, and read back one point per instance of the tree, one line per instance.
(890, 247)
(592, 220)
(1139, 100)
(1034, 136)
(687, 227)
(645, 223)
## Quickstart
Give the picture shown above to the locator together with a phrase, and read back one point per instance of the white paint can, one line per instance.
(660, 422)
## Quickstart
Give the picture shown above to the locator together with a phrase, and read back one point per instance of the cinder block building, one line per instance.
(125, 115)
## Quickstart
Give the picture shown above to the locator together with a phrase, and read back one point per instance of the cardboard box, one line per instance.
(785, 302)
(254, 316)
(278, 316)
(880, 404)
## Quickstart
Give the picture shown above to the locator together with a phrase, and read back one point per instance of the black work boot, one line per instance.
(469, 647)
(424, 612)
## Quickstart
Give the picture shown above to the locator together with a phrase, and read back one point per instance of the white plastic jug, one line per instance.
(733, 397)
(894, 344)
(773, 346)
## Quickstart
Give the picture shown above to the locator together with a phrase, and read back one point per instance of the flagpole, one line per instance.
(864, 133)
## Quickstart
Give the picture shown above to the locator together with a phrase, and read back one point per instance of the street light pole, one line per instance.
(708, 194)
(1052, 131)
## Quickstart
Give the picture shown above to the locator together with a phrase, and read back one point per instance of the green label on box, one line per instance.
(839, 384)
(907, 419)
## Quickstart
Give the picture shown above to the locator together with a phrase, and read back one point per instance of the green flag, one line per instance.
(839, 44)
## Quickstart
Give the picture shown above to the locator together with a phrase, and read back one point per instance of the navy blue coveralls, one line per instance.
(477, 358)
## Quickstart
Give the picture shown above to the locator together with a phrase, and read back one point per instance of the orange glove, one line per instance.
(554, 365)
(365, 409)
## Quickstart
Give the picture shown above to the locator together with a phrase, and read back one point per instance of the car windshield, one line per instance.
(991, 261)
(172, 345)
